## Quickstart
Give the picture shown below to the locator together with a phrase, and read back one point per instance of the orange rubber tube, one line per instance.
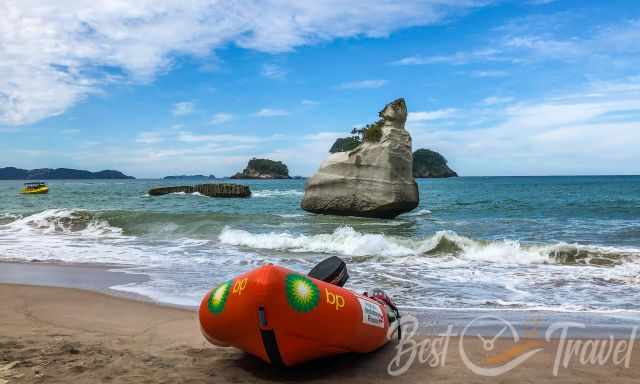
(284, 317)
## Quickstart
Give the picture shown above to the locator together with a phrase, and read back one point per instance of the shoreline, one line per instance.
(106, 278)
(60, 335)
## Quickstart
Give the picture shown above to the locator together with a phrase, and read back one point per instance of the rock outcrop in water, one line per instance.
(373, 180)
(11, 173)
(430, 164)
(189, 177)
(211, 190)
(263, 169)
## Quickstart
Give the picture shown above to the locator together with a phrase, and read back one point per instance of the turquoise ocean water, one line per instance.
(555, 243)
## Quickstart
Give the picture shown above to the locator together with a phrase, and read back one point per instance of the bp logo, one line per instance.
(219, 297)
(302, 293)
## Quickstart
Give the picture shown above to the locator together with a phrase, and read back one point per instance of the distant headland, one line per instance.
(12, 173)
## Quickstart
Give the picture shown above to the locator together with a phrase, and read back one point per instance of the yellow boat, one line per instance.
(35, 188)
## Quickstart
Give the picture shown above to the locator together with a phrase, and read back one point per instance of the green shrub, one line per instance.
(373, 132)
(344, 144)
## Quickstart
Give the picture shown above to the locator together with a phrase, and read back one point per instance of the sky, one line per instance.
(155, 88)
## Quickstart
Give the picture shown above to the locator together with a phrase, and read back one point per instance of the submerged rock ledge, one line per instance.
(211, 190)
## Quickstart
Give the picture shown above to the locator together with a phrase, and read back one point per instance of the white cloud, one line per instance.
(226, 138)
(150, 137)
(270, 112)
(489, 73)
(182, 108)
(54, 54)
(325, 136)
(494, 100)
(594, 130)
(362, 84)
(309, 102)
(273, 71)
(70, 131)
(457, 58)
(440, 114)
(220, 118)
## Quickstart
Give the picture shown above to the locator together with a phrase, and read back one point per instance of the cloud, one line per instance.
(458, 58)
(150, 137)
(489, 73)
(220, 118)
(362, 84)
(182, 108)
(493, 100)
(54, 54)
(415, 117)
(225, 138)
(595, 129)
(273, 71)
(549, 38)
(309, 102)
(70, 131)
(269, 112)
(324, 136)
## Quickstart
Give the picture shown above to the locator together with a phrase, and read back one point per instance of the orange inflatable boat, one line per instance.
(286, 318)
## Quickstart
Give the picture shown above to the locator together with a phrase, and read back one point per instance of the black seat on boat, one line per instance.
(332, 270)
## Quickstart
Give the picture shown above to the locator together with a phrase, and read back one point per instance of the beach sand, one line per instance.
(68, 335)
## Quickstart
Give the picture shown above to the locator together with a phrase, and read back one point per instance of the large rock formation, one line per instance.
(263, 169)
(373, 180)
(428, 163)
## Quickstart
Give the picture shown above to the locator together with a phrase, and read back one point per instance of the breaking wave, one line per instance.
(62, 221)
(349, 242)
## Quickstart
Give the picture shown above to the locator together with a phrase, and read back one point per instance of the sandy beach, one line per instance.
(62, 335)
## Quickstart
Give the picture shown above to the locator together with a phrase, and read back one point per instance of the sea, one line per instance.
(523, 243)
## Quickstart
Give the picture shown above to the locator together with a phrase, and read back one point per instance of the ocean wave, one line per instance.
(349, 242)
(277, 193)
(421, 212)
(344, 240)
(63, 221)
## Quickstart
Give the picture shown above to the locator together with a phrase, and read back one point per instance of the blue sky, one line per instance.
(154, 88)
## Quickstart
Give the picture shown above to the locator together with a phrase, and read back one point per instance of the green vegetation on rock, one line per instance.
(263, 169)
(344, 144)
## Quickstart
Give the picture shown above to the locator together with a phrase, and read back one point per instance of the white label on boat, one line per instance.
(371, 313)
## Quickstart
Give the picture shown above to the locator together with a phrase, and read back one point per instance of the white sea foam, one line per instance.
(344, 240)
(65, 221)
(277, 193)
(347, 241)
(421, 212)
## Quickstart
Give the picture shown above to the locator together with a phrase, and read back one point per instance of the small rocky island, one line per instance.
(374, 178)
(263, 169)
(11, 173)
(211, 190)
(431, 164)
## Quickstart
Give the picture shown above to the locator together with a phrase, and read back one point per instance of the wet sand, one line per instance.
(66, 335)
